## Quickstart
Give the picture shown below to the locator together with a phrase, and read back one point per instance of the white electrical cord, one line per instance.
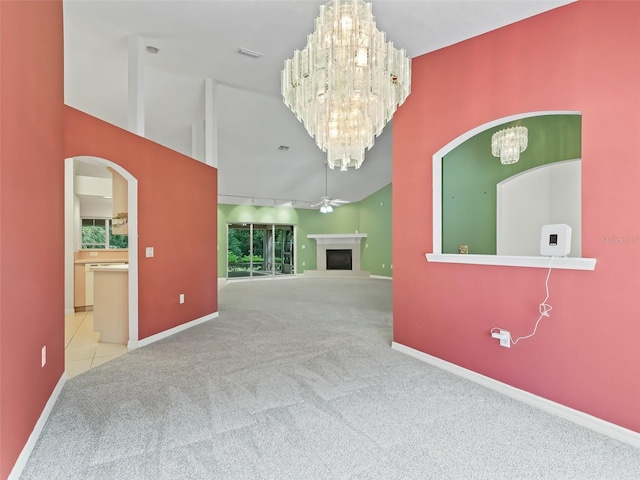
(544, 308)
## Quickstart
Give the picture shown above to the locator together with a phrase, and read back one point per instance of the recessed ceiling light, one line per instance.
(248, 53)
(153, 50)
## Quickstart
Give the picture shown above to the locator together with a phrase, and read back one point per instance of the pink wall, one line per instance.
(31, 217)
(585, 57)
(177, 215)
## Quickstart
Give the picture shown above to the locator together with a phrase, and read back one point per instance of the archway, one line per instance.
(70, 246)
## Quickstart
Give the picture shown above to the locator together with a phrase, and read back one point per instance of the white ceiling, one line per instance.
(199, 39)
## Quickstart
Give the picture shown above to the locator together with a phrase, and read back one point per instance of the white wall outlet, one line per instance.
(149, 252)
(44, 355)
(304, 246)
(182, 298)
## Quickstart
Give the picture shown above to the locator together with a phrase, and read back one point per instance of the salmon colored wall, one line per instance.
(177, 215)
(31, 217)
(581, 57)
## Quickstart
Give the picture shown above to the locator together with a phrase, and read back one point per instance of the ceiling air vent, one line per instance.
(249, 53)
(284, 148)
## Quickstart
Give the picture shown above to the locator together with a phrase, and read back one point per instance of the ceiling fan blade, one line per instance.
(337, 202)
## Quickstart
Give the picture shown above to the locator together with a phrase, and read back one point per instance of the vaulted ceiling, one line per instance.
(199, 39)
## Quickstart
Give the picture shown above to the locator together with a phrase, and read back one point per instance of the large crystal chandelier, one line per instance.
(347, 82)
(509, 143)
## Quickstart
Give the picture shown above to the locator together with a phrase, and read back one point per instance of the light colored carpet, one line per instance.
(296, 380)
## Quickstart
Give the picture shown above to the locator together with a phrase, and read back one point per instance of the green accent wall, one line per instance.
(470, 174)
(375, 221)
(367, 216)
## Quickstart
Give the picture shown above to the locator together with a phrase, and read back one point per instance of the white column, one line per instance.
(136, 85)
(210, 123)
(197, 140)
(69, 237)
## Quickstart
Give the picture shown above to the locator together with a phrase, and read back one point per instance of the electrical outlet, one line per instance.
(44, 355)
(182, 298)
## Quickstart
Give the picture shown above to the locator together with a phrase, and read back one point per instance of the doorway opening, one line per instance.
(85, 179)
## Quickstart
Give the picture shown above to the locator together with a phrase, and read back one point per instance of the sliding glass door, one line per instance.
(259, 250)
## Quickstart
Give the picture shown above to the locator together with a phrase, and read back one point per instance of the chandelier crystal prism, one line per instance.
(509, 143)
(347, 82)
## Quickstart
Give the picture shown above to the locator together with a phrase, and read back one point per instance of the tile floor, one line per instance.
(82, 348)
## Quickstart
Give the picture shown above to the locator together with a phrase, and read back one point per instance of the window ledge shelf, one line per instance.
(567, 263)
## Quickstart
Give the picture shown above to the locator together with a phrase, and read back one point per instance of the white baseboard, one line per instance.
(381, 277)
(594, 423)
(174, 330)
(21, 462)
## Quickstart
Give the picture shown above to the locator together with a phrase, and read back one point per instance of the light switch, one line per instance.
(149, 252)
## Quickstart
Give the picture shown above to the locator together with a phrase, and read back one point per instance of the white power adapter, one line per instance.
(503, 335)
(555, 240)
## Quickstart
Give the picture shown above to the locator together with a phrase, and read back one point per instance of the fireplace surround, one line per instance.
(337, 241)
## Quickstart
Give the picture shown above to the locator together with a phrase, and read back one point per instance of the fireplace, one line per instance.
(339, 259)
(338, 254)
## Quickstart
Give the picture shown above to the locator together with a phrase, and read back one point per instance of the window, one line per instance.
(97, 234)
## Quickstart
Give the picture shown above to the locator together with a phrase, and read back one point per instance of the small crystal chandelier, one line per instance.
(509, 143)
(347, 82)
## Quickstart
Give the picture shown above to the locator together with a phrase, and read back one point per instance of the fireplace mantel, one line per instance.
(337, 238)
(329, 241)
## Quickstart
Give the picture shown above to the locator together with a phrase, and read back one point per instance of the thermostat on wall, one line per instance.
(555, 240)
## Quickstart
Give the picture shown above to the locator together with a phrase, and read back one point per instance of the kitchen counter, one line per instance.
(111, 302)
(84, 261)
(116, 267)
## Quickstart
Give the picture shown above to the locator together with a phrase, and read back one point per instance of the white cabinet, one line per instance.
(111, 308)
(88, 284)
(120, 193)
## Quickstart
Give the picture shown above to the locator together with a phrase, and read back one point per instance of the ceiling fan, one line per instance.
(327, 203)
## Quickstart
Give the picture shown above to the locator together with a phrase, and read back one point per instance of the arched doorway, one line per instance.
(93, 179)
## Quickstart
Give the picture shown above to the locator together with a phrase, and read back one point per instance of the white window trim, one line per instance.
(570, 263)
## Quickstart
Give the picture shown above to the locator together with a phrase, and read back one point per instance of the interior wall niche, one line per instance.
(470, 181)
(544, 195)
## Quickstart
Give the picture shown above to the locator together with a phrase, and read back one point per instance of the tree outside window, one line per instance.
(97, 233)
